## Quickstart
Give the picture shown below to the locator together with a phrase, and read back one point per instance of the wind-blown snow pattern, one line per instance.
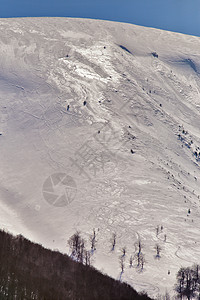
(99, 126)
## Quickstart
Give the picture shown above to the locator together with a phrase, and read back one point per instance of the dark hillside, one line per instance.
(29, 271)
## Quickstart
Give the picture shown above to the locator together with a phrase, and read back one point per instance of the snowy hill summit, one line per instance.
(99, 125)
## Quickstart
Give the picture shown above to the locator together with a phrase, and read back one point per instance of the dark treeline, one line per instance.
(29, 271)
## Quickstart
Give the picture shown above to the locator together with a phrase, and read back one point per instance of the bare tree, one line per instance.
(123, 251)
(142, 261)
(93, 240)
(87, 257)
(158, 250)
(139, 253)
(179, 288)
(196, 278)
(138, 257)
(165, 238)
(75, 244)
(81, 251)
(122, 263)
(157, 230)
(131, 261)
(113, 241)
(139, 246)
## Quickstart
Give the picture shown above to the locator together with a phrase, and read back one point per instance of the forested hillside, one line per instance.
(29, 271)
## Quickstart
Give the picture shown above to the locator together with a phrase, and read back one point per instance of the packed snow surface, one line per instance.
(99, 128)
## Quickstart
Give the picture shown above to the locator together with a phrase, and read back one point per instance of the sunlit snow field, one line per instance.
(76, 96)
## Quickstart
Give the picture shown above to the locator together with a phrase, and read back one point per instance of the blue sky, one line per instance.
(175, 15)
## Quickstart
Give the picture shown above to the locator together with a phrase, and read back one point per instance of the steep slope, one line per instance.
(100, 129)
(29, 271)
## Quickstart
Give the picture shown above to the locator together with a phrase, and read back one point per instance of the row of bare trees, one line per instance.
(138, 257)
(188, 283)
(79, 252)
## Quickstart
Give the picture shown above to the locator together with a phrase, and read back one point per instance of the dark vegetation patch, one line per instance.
(29, 271)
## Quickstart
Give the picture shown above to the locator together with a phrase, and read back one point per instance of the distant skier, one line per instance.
(68, 107)
(84, 103)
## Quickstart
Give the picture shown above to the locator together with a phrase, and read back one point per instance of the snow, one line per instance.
(133, 101)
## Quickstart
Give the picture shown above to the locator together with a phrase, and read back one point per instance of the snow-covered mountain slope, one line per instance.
(105, 116)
